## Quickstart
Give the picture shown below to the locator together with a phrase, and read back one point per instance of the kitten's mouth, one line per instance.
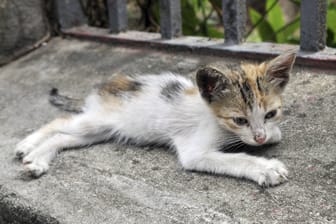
(260, 136)
(260, 140)
(254, 142)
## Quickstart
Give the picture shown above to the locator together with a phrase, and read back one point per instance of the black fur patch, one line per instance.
(135, 86)
(259, 85)
(172, 90)
(247, 94)
(236, 69)
(64, 102)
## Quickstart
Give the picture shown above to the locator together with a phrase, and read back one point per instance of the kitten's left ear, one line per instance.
(212, 83)
(278, 70)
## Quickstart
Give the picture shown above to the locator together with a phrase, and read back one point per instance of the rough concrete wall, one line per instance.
(22, 25)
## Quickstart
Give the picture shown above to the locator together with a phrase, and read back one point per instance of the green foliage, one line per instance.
(266, 19)
(271, 25)
(331, 26)
(199, 18)
(276, 20)
(265, 30)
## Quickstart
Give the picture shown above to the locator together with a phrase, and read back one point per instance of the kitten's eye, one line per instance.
(240, 121)
(270, 114)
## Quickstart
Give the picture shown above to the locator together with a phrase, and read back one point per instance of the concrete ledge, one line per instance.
(325, 59)
(15, 209)
(111, 183)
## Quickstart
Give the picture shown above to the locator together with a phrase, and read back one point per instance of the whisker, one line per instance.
(226, 142)
(239, 146)
(233, 146)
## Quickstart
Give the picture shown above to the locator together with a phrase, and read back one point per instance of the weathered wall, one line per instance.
(22, 24)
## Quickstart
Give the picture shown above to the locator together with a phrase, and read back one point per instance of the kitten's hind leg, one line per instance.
(37, 162)
(80, 130)
(32, 141)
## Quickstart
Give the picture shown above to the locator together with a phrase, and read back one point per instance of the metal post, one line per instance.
(234, 19)
(70, 13)
(170, 18)
(117, 10)
(313, 25)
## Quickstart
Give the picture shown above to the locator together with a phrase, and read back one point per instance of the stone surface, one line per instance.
(110, 183)
(22, 24)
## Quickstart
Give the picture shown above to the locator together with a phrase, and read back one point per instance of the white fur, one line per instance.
(187, 123)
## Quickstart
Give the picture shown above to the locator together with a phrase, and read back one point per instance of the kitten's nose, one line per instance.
(260, 137)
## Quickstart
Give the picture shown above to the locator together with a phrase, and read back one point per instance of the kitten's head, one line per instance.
(246, 99)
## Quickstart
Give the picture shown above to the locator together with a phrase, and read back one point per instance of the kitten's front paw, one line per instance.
(272, 172)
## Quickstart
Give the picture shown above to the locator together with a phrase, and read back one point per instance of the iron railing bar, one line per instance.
(117, 13)
(170, 19)
(313, 25)
(234, 20)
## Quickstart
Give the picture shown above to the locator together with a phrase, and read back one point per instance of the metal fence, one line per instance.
(312, 37)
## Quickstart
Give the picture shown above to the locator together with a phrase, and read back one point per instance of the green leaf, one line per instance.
(331, 38)
(265, 30)
(194, 4)
(331, 18)
(291, 30)
(275, 19)
(156, 11)
(254, 37)
(190, 22)
(213, 32)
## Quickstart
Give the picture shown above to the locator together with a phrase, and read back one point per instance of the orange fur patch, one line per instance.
(191, 91)
(266, 99)
(225, 115)
(54, 125)
(111, 92)
(120, 84)
(230, 125)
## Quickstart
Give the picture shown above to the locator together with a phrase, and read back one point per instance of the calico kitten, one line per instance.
(229, 105)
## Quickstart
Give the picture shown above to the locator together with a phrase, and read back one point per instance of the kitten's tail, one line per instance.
(64, 102)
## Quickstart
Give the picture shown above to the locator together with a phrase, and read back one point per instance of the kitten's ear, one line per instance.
(211, 83)
(278, 70)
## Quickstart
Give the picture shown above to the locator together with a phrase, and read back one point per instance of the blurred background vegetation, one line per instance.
(268, 20)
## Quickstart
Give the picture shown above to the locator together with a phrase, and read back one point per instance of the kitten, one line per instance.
(229, 105)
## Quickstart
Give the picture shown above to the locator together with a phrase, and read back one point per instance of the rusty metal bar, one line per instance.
(200, 45)
(234, 19)
(170, 19)
(117, 10)
(70, 13)
(313, 25)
